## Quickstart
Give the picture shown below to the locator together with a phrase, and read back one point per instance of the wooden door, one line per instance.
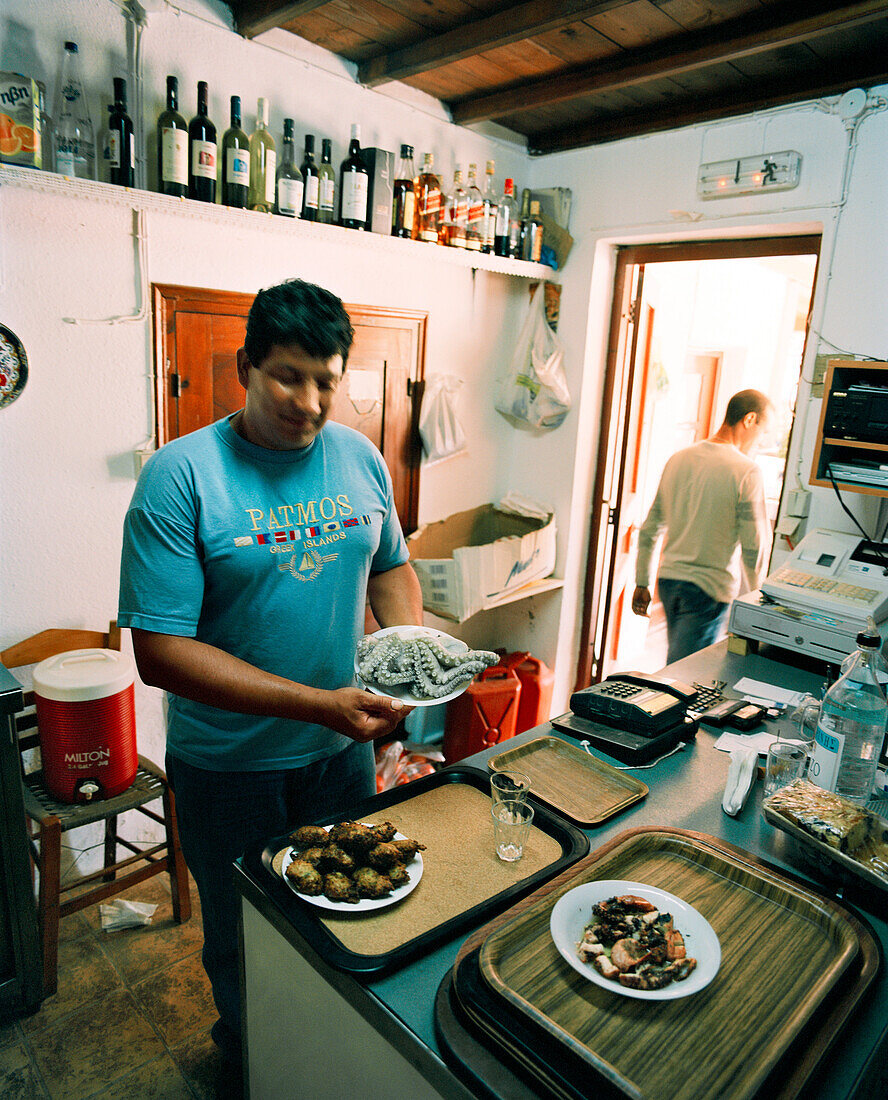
(198, 332)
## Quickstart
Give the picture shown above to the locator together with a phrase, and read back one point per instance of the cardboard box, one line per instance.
(380, 164)
(20, 130)
(469, 561)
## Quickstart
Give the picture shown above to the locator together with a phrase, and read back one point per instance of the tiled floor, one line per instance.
(130, 1019)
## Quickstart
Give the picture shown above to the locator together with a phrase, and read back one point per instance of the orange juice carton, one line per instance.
(20, 131)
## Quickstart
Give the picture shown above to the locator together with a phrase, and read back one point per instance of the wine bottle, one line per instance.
(354, 183)
(263, 162)
(120, 146)
(172, 146)
(290, 190)
(506, 221)
(326, 184)
(428, 202)
(202, 151)
(75, 146)
(403, 199)
(235, 160)
(311, 179)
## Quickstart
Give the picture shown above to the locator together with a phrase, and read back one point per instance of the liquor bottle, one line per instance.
(120, 146)
(290, 184)
(452, 229)
(46, 129)
(475, 217)
(532, 235)
(202, 151)
(403, 199)
(74, 145)
(491, 204)
(263, 162)
(311, 178)
(353, 185)
(235, 156)
(851, 727)
(326, 184)
(172, 146)
(506, 221)
(427, 194)
(523, 219)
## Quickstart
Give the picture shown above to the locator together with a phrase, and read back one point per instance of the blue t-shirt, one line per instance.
(265, 554)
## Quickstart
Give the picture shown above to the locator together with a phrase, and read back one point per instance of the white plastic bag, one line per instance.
(442, 435)
(533, 393)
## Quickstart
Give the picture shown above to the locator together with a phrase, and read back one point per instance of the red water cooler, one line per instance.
(86, 720)
(483, 715)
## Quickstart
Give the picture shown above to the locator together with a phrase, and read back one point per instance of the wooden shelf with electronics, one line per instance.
(853, 429)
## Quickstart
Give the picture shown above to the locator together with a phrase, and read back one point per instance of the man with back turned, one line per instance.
(709, 502)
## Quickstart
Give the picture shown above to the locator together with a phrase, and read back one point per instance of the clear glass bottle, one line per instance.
(74, 147)
(454, 214)
(46, 128)
(403, 198)
(474, 213)
(263, 163)
(172, 145)
(506, 232)
(532, 234)
(119, 145)
(428, 201)
(311, 179)
(290, 182)
(851, 727)
(354, 183)
(326, 184)
(235, 160)
(202, 150)
(491, 205)
(523, 219)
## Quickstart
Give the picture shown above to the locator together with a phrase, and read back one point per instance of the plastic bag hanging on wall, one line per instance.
(533, 392)
(440, 430)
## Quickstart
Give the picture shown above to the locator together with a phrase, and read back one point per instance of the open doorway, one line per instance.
(691, 325)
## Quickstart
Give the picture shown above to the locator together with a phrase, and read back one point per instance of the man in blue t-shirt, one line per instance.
(250, 548)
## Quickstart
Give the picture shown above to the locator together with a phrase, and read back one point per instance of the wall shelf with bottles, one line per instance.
(135, 198)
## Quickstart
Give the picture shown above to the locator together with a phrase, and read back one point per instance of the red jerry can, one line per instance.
(485, 714)
(537, 682)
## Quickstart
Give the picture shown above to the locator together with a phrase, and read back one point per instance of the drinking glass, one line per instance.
(509, 784)
(511, 824)
(786, 761)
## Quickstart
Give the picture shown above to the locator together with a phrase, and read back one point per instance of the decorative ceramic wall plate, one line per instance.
(13, 367)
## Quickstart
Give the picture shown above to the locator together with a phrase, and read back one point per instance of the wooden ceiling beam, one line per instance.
(691, 112)
(743, 37)
(252, 17)
(500, 29)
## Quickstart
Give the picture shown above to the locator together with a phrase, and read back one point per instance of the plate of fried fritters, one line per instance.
(357, 866)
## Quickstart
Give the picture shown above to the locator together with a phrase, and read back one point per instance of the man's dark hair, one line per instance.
(296, 312)
(746, 401)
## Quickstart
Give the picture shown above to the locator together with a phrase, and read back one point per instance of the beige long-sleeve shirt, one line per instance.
(710, 502)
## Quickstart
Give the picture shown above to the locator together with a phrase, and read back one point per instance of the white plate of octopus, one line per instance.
(640, 911)
(412, 692)
(413, 866)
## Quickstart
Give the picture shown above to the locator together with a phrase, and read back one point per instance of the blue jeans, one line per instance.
(693, 619)
(221, 815)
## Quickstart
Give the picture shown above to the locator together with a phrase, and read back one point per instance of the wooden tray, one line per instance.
(828, 860)
(463, 882)
(582, 787)
(789, 958)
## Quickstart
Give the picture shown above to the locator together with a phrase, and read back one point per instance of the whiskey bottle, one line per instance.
(507, 224)
(403, 203)
(491, 204)
(475, 212)
(452, 229)
(354, 184)
(427, 192)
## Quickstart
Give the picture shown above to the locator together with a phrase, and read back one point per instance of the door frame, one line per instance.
(617, 413)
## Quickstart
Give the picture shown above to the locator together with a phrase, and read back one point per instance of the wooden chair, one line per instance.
(52, 818)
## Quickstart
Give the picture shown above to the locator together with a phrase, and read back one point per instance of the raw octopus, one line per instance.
(425, 667)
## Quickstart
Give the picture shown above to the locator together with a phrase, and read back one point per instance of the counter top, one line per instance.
(685, 791)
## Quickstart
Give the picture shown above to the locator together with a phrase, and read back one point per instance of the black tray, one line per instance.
(305, 918)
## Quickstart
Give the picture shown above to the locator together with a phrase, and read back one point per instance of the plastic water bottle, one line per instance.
(75, 146)
(852, 725)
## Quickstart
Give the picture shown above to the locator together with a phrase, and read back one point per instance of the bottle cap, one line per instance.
(491, 167)
(262, 110)
(71, 47)
(356, 131)
(309, 143)
(120, 88)
(288, 128)
(326, 145)
(534, 207)
(236, 105)
(406, 150)
(172, 84)
(869, 639)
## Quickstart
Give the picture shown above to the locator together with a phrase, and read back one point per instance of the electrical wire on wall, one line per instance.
(141, 262)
